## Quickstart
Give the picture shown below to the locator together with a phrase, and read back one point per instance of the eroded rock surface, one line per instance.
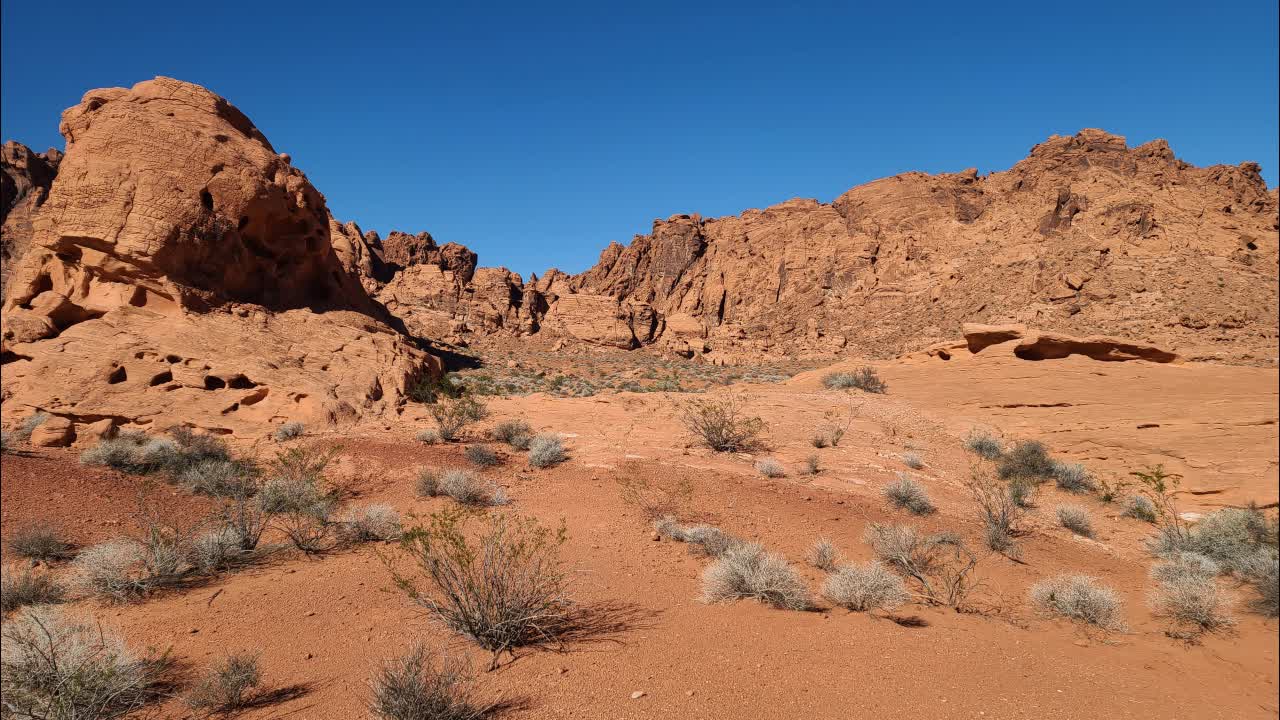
(25, 179)
(182, 271)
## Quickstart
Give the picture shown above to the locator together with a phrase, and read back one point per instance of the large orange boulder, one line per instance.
(183, 271)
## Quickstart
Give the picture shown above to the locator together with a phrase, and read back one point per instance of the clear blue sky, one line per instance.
(535, 133)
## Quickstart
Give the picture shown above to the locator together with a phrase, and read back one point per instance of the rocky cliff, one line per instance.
(183, 271)
(1085, 236)
(25, 179)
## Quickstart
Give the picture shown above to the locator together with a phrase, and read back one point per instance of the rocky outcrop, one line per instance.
(1085, 236)
(1042, 345)
(25, 179)
(183, 271)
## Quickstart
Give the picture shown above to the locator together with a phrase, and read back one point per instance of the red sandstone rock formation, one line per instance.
(1085, 236)
(181, 270)
(25, 179)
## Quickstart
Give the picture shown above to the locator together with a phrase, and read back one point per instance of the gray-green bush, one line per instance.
(864, 378)
(40, 543)
(1076, 519)
(423, 685)
(1081, 598)
(984, 446)
(481, 455)
(545, 450)
(907, 494)
(55, 667)
(770, 468)
(228, 686)
(516, 433)
(863, 588)
(748, 571)
(21, 586)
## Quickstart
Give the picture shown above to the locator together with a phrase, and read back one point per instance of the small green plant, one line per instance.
(453, 414)
(1028, 460)
(502, 588)
(864, 378)
(1110, 491)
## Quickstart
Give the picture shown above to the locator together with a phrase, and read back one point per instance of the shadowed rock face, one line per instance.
(25, 179)
(181, 270)
(1086, 236)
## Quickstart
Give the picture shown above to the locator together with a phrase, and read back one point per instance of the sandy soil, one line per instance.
(323, 624)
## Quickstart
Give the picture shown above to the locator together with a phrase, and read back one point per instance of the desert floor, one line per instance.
(322, 624)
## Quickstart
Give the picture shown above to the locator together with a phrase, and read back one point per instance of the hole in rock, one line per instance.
(162, 378)
(118, 375)
(214, 383)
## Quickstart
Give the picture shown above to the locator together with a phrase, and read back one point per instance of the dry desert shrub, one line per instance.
(983, 445)
(811, 466)
(30, 423)
(1072, 477)
(746, 570)
(722, 425)
(1081, 598)
(428, 482)
(1191, 600)
(501, 586)
(770, 468)
(289, 431)
(1076, 519)
(481, 455)
(422, 685)
(467, 489)
(1262, 573)
(862, 588)
(1141, 508)
(998, 509)
(545, 450)
(940, 565)
(1183, 565)
(907, 494)
(228, 686)
(656, 499)
(1027, 460)
(373, 522)
(54, 667)
(22, 586)
(8, 442)
(706, 540)
(912, 460)
(516, 433)
(430, 436)
(217, 549)
(454, 414)
(40, 543)
(220, 478)
(113, 569)
(865, 379)
(824, 555)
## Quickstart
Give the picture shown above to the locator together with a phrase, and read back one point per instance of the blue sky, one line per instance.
(535, 133)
